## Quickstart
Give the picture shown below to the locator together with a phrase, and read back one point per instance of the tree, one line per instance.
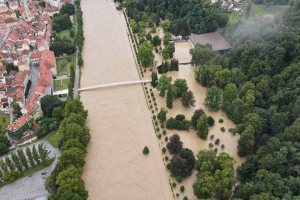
(210, 121)
(17, 161)
(181, 85)
(22, 158)
(213, 98)
(170, 98)
(30, 156)
(145, 54)
(178, 167)
(230, 92)
(68, 9)
(75, 106)
(171, 49)
(3, 166)
(35, 155)
(174, 145)
(4, 144)
(164, 83)
(189, 156)
(61, 22)
(11, 176)
(188, 99)
(42, 4)
(165, 54)
(17, 110)
(202, 54)
(156, 41)
(246, 142)
(202, 127)
(10, 164)
(43, 153)
(145, 150)
(197, 114)
(162, 115)
(62, 47)
(72, 156)
(154, 79)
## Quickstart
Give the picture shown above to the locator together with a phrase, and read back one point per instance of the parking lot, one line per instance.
(30, 187)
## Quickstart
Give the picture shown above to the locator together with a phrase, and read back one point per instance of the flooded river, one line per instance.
(119, 118)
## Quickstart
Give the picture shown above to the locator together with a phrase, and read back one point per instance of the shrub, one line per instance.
(166, 139)
(164, 132)
(174, 185)
(216, 150)
(175, 145)
(210, 121)
(222, 146)
(154, 117)
(180, 117)
(157, 129)
(146, 150)
(211, 145)
(177, 195)
(166, 158)
(164, 150)
(179, 125)
(212, 137)
(162, 126)
(182, 188)
(185, 198)
(159, 136)
(221, 120)
(156, 123)
(222, 129)
(217, 141)
(179, 179)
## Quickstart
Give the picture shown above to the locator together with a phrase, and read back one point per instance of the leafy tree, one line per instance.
(4, 144)
(213, 98)
(154, 79)
(3, 166)
(61, 22)
(230, 92)
(189, 156)
(42, 4)
(156, 41)
(67, 8)
(197, 114)
(169, 98)
(188, 99)
(165, 53)
(164, 83)
(145, 54)
(246, 142)
(178, 167)
(62, 47)
(17, 161)
(162, 115)
(35, 155)
(9, 163)
(72, 156)
(174, 145)
(22, 158)
(202, 54)
(202, 127)
(17, 110)
(74, 106)
(181, 85)
(210, 121)
(48, 103)
(30, 156)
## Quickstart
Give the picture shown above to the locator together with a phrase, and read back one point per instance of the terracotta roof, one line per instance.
(35, 54)
(215, 39)
(20, 77)
(32, 104)
(45, 77)
(48, 58)
(19, 122)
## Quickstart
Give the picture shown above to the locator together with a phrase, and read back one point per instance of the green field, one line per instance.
(61, 84)
(54, 138)
(4, 121)
(234, 17)
(262, 10)
(64, 65)
(65, 35)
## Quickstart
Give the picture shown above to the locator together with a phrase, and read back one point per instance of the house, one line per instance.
(48, 58)
(13, 5)
(215, 39)
(35, 57)
(53, 3)
(23, 64)
(18, 127)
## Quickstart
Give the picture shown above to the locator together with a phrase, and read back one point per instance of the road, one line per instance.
(33, 186)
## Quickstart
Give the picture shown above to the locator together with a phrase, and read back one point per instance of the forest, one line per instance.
(257, 84)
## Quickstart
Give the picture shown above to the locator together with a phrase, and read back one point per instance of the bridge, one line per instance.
(62, 92)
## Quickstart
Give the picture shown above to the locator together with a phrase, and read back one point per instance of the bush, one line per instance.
(217, 141)
(216, 150)
(180, 117)
(210, 121)
(177, 124)
(164, 150)
(212, 137)
(179, 179)
(222, 146)
(146, 150)
(164, 132)
(177, 195)
(185, 198)
(182, 188)
(221, 120)
(174, 185)
(166, 158)
(159, 136)
(175, 145)
(211, 145)
(222, 129)
(166, 139)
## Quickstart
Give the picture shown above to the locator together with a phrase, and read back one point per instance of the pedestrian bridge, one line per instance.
(61, 92)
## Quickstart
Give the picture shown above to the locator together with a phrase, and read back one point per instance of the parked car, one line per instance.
(44, 173)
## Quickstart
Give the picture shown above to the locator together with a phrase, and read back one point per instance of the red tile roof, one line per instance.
(19, 122)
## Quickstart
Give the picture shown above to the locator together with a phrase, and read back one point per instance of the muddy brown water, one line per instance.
(119, 118)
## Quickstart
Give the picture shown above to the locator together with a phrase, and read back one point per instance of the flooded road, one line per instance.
(119, 118)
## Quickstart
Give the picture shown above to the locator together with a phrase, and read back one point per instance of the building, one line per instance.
(215, 39)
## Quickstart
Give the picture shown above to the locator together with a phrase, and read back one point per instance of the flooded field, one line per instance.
(119, 118)
(190, 139)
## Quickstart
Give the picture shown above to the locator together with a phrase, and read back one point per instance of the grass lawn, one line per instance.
(64, 65)
(65, 35)
(4, 121)
(54, 138)
(234, 17)
(61, 84)
(258, 9)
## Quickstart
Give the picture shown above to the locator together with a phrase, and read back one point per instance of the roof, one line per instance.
(45, 77)
(32, 104)
(19, 122)
(20, 77)
(215, 39)
(48, 58)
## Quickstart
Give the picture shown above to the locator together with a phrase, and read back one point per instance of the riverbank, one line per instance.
(119, 119)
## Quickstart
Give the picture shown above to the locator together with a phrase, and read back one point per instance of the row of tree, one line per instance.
(65, 181)
(12, 167)
(180, 17)
(166, 66)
